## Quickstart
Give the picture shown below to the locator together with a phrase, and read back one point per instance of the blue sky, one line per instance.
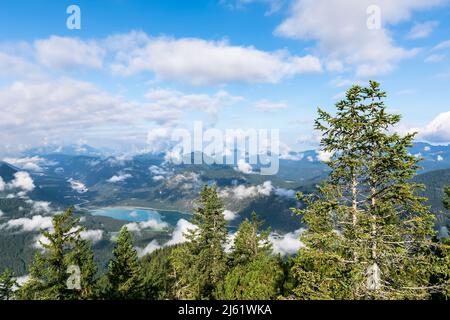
(138, 67)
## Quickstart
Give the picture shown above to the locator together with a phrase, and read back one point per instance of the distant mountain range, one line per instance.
(52, 178)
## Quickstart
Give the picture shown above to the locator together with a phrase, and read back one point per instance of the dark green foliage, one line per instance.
(250, 242)
(369, 234)
(255, 273)
(7, 284)
(157, 274)
(124, 272)
(446, 200)
(258, 279)
(200, 264)
(441, 275)
(435, 182)
(49, 272)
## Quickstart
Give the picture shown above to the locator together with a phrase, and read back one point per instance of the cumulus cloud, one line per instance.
(229, 215)
(22, 180)
(13, 65)
(33, 110)
(158, 171)
(27, 163)
(149, 224)
(286, 244)
(92, 235)
(371, 51)
(78, 186)
(173, 99)
(149, 248)
(66, 52)
(34, 223)
(39, 206)
(438, 130)
(324, 156)
(120, 177)
(287, 193)
(244, 167)
(184, 181)
(178, 236)
(158, 139)
(242, 192)
(198, 62)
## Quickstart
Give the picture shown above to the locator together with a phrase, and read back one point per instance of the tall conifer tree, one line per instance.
(50, 270)
(369, 234)
(124, 272)
(200, 264)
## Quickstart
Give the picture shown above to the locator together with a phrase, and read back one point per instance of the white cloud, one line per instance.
(292, 156)
(64, 52)
(155, 170)
(172, 99)
(434, 58)
(422, 30)
(268, 106)
(288, 193)
(440, 158)
(1, 213)
(27, 163)
(92, 235)
(442, 45)
(198, 62)
(40, 206)
(149, 224)
(229, 215)
(119, 177)
(78, 186)
(2, 184)
(149, 248)
(36, 223)
(244, 167)
(242, 192)
(341, 33)
(22, 180)
(324, 156)
(22, 280)
(184, 181)
(288, 243)
(178, 236)
(438, 130)
(15, 66)
(64, 108)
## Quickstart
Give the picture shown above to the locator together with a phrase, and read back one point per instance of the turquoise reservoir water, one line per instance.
(140, 214)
